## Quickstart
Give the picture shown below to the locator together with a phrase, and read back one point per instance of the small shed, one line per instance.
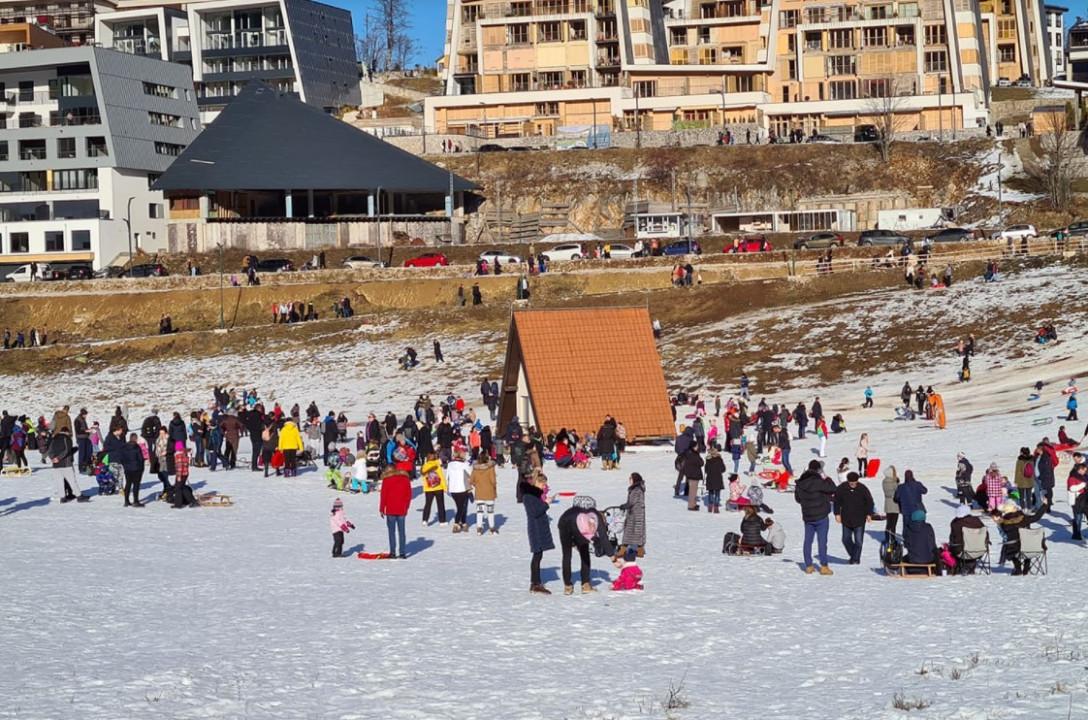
(569, 368)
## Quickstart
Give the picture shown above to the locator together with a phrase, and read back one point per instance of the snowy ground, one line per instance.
(240, 613)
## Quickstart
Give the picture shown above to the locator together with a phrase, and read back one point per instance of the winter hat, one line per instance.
(337, 504)
(993, 467)
(585, 502)
(960, 456)
(962, 511)
(918, 516)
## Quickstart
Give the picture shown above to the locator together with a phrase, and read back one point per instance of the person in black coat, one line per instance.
(921, 542)
(539, 530)
(853, 506)
(583, 516)
(813, 493)
(752, 527)
(177, 431)
(329, 433)
(800, 416)
(133, 462)
(692, 469)
(606, 444)
(149, 431)
(715, 480)
(817, 410)
(253, 420)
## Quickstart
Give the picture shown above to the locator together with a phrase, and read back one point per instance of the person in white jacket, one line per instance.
(457, 475)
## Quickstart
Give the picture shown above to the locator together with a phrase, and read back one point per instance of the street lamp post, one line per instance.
(479, 129)
(638, 121)
(222, 321)
(723, 102)
(128, 227)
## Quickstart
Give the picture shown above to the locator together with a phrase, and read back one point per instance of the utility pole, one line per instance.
(222, 321)
(1000, 198)
(594, 131)
(638, 121)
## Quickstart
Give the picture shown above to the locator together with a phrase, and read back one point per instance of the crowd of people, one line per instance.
(23, 339)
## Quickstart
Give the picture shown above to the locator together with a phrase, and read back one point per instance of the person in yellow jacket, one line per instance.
(434, 488)
(290, 445)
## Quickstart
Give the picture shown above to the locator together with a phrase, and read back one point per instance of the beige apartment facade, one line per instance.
(535, 67)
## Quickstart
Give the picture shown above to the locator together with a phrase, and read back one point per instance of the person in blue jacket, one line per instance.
(1071, 406)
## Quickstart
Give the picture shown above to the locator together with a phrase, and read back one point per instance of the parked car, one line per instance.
(869, 238)
(748, 244)
(1078, 229)
(1024, 82)
(682, 247)
(866, 133)
(567, 251)
(1003, 82)
(432, 259)
(1017, 232)
(362, 262)
(819, 240)
(79, 272)
(146, 270)
(23, 273)
(952, 234)
(492, 147)
(110, 271)
(623, 252)
(504, 258)
(270, 265)
(821, 138)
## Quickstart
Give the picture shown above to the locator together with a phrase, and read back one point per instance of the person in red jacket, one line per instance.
(393, 503)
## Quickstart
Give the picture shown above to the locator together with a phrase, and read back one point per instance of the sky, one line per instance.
(428, 24)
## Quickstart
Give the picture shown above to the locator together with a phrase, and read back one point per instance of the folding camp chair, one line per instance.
(1032, 553)
(976, 549)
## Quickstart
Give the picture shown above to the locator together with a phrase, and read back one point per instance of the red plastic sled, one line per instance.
(872, 468)
(372, 556)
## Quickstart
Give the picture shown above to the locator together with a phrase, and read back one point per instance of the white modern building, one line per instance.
(297, 46)
(1055, 38)
(86, 131)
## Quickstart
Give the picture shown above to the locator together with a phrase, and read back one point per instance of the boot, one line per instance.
(809, 570)
(137, 504)
(82, 498)
(586, 588)
(717, 509)
(68, 498)
(456, 528)
(825, 570)
(641, 552)
(568, 589)
(539, 590)
(479, 531)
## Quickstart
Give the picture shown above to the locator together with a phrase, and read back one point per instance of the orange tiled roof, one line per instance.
(583, 364)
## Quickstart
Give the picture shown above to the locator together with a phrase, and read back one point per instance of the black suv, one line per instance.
(866, 133)
(882, 237)
(1078, 228)
(950, 235)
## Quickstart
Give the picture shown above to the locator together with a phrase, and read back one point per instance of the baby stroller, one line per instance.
(107, 481)
(615, 517)
(306, 459)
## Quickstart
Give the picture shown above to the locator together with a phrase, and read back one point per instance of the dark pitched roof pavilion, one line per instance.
(268, 140)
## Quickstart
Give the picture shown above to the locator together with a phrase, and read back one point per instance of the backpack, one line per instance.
(891, 552)
(730, 543)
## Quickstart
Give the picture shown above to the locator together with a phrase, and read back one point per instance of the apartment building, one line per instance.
(1055, 39)
(297, 46)
(531, 67)
(86, 131)
(71, 20)
(1077, 69)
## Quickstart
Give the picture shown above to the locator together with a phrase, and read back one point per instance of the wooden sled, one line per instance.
(214, 499)
(15, 472)
(900, 570)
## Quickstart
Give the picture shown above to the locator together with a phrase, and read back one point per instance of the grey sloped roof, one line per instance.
(267, 140)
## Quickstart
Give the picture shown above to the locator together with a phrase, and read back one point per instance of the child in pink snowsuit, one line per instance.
(630, 577)
(339, 524)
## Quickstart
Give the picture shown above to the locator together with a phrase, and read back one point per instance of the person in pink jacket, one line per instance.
(630, 577)
(339, 524)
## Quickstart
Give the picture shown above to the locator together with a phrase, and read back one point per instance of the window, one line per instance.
(645, 88)
(54, 241)
(521, 9)
(936, 35)
(547, 108)
(744, 83)
(874, 37)
(578, 78)
(1006, 29)
(814, 40)
(66, 148)
(936, 61)
(704, 35)
(877, 88)
(841, 39)
(32, 149)
(904, 35)
(549, 32)
(20, 242)
(30, 120)
(908, 10)
(3, 150)
(96, 147)
(75, 179)
(81, 240)
(878, 12)
(26, 91)
(1006, 53)
(151, 178)
(678, 36)
(841, 65)
(791, 70)
(787, 19)
(171, 149)
(843, 90)
(577, 29)
(164, 119)
(551, 80)
(154, 211)
(519, 34)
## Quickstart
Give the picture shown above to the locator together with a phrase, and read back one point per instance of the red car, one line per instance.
(748, 244)
(428, 260)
